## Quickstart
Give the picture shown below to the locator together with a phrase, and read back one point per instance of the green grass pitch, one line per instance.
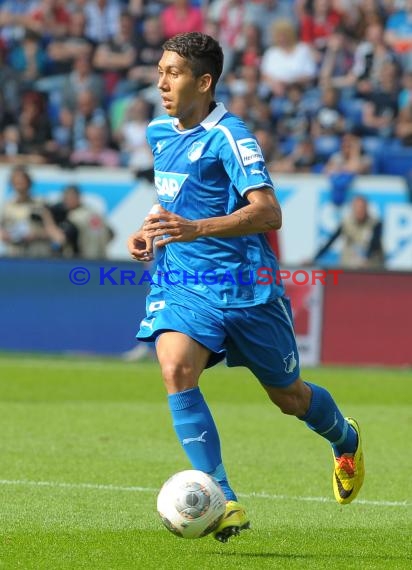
(86, 444)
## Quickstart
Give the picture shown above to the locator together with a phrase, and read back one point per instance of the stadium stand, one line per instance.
(68, 64)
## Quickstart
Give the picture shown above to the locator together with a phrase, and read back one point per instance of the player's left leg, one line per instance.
(315, 406)
(265, 343)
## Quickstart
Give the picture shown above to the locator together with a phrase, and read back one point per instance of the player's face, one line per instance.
(182, 93)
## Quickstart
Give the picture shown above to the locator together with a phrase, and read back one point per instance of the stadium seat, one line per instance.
(395, 161)
(326, 145)
(352, 110)
(373, 145)
(287, 145)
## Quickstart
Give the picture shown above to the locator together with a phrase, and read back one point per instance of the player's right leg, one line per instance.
(182, 360)
(186, 344)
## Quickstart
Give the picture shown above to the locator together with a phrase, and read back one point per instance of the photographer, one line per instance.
(86, 233)
(27, 227)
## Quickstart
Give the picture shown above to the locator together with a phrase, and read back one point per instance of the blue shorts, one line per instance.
(259, 337)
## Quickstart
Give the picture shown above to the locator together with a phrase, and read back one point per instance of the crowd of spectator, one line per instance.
(326, 85)
(78, 77)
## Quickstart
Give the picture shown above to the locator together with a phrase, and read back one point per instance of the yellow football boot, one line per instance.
(349, 471)
(234, 520)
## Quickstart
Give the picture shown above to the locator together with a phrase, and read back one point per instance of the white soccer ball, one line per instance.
(191, 504)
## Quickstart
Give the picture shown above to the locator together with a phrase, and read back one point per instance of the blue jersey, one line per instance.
(205, 172)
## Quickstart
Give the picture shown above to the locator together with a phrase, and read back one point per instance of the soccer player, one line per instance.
(213, 295)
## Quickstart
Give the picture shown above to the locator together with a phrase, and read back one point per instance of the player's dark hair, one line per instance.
(202, 52)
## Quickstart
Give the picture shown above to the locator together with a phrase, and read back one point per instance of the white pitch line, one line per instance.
(135, 489)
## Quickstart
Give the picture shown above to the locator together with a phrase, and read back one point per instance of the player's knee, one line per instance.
(178, 376)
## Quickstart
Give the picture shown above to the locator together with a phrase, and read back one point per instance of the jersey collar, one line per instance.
(208, 122)
(214, 117)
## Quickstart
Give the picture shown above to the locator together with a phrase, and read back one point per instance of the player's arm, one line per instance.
(263, 213)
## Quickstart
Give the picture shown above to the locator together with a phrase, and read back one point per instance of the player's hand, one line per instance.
(170, 227)
(140, 246)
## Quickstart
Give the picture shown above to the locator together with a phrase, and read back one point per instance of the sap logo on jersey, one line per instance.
(168, 184)
(250, 151)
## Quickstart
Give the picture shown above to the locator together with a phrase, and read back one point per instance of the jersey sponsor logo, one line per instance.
(195, 151)
(168, 184)
(249, 150)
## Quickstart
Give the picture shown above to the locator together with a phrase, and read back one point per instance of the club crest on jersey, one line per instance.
(195, 151)
(168, 184)
(290, 362)
(249, 150)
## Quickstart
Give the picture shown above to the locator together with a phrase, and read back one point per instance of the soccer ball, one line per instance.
(191, 504)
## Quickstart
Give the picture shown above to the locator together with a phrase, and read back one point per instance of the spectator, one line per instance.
(34, 126)
(97, 151)
(229, 16)
(102, 20)
(27, 227)
(287, 61)
(49, 18)
(344, 165)
(294, 119)
(179, 17)
(62, 51)
(145, 9)
(328, 119)
(267, 143)
(381, 108)
(238, 105)
(10, 88)
(398, 32)
(318, 22)
(115, 57)
(370, 55)
(361, 233)
(10, 150)
(301, 160)
(405, 96)
(6, 117)
(149, 50)
(29, 59)
(13, 19)
(131, 137)
(350, 158)
(403, 127)
(83, 79)
(264, 13)
(87, 112)
(338, 57)
(248, 50)
(87, 233)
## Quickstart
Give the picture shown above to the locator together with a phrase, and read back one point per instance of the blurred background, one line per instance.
(326, 86)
